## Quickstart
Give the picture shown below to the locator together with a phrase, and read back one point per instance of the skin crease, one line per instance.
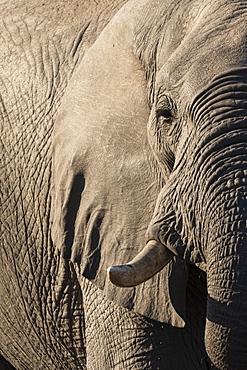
(79, 193)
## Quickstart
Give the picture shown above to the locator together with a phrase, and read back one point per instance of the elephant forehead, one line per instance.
(212, 42)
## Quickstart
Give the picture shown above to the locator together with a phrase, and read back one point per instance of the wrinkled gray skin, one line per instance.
(156, 103)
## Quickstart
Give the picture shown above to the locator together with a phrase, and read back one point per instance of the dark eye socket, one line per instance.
(165, 113)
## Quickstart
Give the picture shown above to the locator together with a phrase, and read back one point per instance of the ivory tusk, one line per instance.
(145, 265)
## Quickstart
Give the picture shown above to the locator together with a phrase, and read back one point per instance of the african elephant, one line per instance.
(106, 108)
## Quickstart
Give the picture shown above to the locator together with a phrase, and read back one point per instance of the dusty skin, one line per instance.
(123, 147)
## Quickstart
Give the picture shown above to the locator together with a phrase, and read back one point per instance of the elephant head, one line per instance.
(181, 68)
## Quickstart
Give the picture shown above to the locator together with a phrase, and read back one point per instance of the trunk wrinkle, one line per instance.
(231, 81)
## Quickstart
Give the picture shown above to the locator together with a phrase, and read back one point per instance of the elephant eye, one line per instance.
(164, 115)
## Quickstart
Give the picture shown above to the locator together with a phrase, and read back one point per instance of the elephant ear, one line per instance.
(104, 192)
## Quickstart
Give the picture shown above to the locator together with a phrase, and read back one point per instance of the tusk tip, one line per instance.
(118, 274)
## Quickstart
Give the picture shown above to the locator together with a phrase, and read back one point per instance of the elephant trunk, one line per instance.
(226, 328)
(221, 167)
(226, 255)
